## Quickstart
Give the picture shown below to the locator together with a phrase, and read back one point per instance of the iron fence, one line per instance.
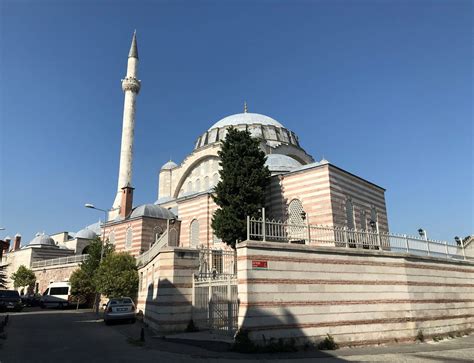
(216, 263)
(59, 261)
(331, 236)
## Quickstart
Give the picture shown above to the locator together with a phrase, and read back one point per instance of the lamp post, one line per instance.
(91, 206)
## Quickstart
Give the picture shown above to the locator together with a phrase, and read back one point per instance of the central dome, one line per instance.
(246, 119)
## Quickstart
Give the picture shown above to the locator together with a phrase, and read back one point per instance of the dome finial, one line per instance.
(245, 107)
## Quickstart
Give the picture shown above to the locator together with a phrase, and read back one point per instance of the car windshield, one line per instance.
(9, 293)
(121, 301)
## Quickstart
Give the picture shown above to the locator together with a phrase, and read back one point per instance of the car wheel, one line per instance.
(132, 321)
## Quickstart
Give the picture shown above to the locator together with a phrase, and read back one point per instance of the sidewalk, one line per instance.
(205, 345)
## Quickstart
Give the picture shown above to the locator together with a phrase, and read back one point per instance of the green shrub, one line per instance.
(420, 337)
(328, 343)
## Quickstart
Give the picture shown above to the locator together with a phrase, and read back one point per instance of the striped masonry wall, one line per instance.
(142, 232)
(323, 191)
(165, 289)
(200, 208)
(360, 297)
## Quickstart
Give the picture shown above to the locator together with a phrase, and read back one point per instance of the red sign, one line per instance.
(259, 265)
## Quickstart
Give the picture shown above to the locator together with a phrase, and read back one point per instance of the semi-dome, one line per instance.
(152, 210)
(169, 165)
(42, 239)
(246, 119)
(86, 233)
(281, 163)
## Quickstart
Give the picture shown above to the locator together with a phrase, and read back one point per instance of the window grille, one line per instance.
(194, 233)
(295, 210)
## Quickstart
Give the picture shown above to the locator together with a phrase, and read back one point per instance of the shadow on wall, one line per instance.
(167, 309)
(276, 204)
(279, 331)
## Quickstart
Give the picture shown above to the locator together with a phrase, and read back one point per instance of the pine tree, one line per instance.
(241, 189)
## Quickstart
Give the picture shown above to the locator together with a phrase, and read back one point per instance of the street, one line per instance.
(36, 335)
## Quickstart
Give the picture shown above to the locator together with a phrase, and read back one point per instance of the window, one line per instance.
(112, 237)
(140, 282)
(349, 213)
(363, 220)
(194, 233)
(215, 179)
(198, 185)
(374, 217)
(190, 186)
(206, 183)
(128, 237)
(59, 291)
(295, 210)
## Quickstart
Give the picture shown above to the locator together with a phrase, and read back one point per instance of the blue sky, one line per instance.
(382, 89)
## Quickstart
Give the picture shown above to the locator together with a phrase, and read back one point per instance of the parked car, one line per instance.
(30, 299)
(10, 300)
(121, 308)
(58, 294)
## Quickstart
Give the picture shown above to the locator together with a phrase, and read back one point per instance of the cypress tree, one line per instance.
(241, 189)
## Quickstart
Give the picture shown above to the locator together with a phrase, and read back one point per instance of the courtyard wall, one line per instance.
(360, 297)
(165, 289)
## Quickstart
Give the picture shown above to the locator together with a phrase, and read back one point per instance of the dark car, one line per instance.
(30, 300)
(10, 300)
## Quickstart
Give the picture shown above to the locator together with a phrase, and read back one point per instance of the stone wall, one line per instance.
(360, 297)
(46, 275)
(165, 291)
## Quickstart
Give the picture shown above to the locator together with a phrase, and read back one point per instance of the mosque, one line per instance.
(302, 190)
(327, 194)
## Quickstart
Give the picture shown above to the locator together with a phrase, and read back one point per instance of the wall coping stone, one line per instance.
(260, 245)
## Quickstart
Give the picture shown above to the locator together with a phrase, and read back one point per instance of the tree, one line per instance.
(117, 275)
(3, 277)
(241, 189)
(24, 277)
(82, 279)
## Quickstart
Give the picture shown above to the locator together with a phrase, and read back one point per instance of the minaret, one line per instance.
(130, 86)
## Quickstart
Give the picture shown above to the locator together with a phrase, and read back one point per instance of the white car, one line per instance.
(121, 308)
(58, 294)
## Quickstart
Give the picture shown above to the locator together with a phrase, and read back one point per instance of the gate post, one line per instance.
(230, 318)
(209, 304)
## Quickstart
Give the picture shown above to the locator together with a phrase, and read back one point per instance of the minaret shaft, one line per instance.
(131, 88)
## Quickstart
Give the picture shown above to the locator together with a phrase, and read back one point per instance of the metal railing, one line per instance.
(149, 255)
(216, 264)
(278, 231)
(59, 261)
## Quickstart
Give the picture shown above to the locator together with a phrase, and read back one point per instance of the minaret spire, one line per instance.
(131, 87)
(134, 48)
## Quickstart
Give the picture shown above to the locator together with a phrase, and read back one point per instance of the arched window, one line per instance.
(190, 186)
(295, 210)
(112, 237)
(194, 233)
(349, 213)
(215, 179)
(198, 185)
(173, 237)
(205, 167)
(128, 237)
(206, 183)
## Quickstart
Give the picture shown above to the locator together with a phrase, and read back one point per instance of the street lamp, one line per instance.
(423, 233)
(91, 206)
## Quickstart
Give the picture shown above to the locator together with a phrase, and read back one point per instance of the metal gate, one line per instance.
(215, 300)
